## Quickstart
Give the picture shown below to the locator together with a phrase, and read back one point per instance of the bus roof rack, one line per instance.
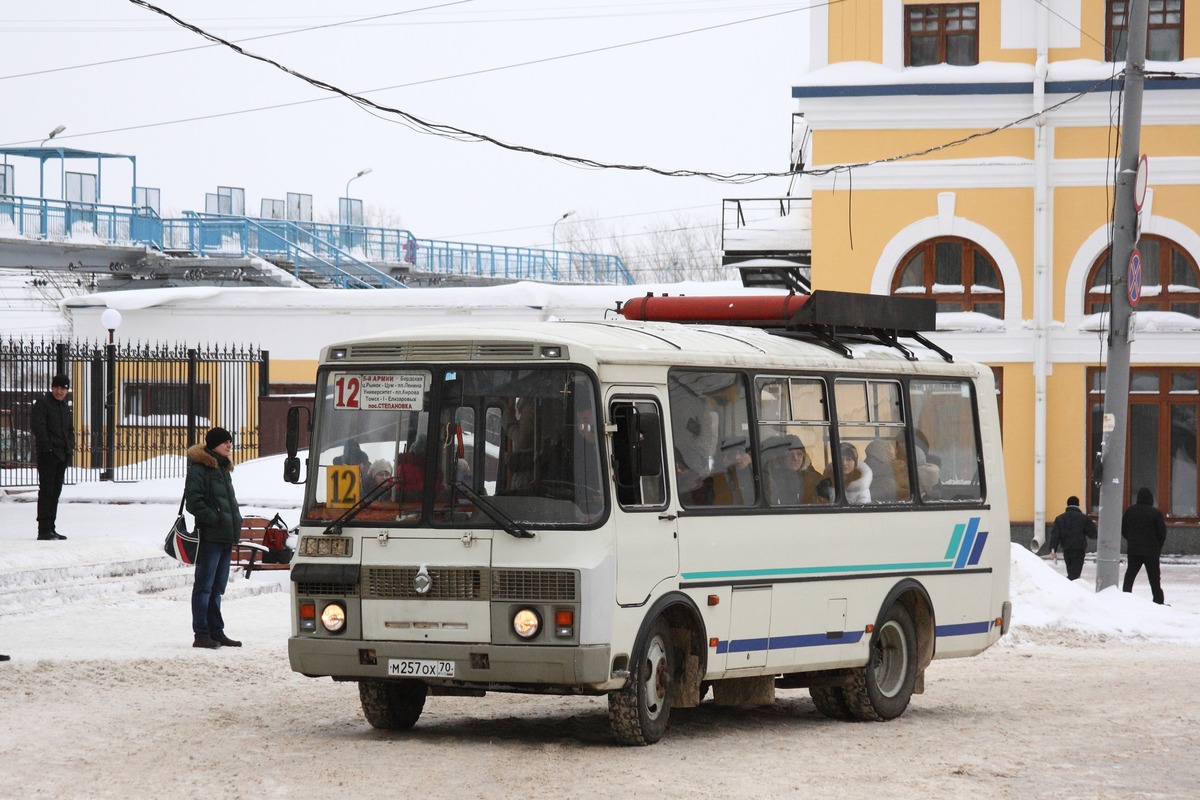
(831, 318)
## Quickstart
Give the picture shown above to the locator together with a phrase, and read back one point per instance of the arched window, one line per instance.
(1170, 279)
(955, 272)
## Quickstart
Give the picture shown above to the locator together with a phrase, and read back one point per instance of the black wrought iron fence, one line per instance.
(137, 407)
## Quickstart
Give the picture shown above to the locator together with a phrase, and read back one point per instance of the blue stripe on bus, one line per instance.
(823, 639)
(968, 540)
(964, 628)
(785, 642)
(977, 550)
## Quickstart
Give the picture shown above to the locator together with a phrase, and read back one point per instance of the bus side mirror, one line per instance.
(291, 465)
(637, 446)
(650, 461)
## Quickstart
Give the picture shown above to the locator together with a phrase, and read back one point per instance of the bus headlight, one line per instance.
(333, 617)
(526, 623)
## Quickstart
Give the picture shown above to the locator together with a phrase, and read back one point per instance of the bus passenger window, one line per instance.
(945, 441)
(710, 429)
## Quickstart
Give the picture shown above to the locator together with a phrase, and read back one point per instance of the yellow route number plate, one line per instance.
(343, 485)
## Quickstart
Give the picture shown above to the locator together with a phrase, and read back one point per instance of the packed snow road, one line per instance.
(1048, 714)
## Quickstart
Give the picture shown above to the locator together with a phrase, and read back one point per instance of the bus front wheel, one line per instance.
(881, 690)
(392, 705)
(638, 713)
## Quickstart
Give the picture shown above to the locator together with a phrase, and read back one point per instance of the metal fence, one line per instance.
(136, 407)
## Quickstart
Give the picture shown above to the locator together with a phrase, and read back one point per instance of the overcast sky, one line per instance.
(710, 92)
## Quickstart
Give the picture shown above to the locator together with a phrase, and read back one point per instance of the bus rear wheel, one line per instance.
(638, 713)
(881, 690)
(392, 705)
(831, 701)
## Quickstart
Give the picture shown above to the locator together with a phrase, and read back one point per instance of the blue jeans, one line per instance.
(212, 573)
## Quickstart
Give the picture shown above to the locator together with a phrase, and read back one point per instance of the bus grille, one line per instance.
(556, 585)
(392, 583)
(324, 589)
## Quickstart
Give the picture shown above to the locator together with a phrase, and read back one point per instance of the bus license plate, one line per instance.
(419, 668)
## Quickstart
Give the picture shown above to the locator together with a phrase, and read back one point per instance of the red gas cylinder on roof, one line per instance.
(759, 310)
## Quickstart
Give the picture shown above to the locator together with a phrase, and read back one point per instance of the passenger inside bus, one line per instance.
(790, 476)
(734, 485)
(889, 471)
(380, 472)
(929, 468)
(856, 475)
(518, 422)
(694, 489)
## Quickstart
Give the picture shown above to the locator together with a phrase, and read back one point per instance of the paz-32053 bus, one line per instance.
(730, 494)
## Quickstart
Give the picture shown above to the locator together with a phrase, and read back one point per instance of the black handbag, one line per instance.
(181, 544)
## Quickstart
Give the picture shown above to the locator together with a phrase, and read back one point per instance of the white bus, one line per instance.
(756, 493)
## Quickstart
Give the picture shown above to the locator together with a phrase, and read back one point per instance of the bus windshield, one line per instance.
(458, 446)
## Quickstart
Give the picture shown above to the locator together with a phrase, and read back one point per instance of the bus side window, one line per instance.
(945, 439)
(637, 454)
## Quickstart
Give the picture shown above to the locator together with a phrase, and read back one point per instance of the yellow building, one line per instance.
(966, 151)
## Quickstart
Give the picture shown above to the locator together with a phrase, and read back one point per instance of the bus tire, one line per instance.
(831, 701)
(881, 690)
(392, 705)
(638, 712)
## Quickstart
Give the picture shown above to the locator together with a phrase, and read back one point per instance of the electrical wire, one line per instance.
(247, 39)
(464, 135)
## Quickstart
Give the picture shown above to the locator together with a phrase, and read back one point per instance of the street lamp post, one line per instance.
(110, 319)
(57, 130)
(554, 240)
(361, 172)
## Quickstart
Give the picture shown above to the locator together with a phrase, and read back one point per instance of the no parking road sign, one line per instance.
(1135, 277)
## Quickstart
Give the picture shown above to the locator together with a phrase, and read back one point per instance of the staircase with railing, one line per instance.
(321, 254)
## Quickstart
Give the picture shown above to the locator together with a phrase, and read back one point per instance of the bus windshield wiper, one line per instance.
(494, 514)
(335, 527)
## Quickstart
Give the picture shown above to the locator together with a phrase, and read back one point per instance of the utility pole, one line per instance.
(1116, 372)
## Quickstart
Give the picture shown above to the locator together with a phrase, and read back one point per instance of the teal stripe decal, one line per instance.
(756, 573)
(955, 538)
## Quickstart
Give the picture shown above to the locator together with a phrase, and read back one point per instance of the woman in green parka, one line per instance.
(210, 499)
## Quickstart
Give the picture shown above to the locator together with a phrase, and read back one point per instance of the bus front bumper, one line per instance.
(531, 668)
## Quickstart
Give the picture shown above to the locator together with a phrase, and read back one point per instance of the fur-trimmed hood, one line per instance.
(199, 454)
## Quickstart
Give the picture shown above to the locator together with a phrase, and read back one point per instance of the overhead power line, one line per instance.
(338, 24)
(464, 135)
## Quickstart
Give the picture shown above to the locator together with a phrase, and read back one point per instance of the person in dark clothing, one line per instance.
(208, 492)
(54, 437)
(1070, 531)
(1144, 528)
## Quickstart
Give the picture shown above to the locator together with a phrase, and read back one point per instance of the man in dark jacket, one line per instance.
(54, 437)
(209, 495)
(1144, 528)
(1071, 530)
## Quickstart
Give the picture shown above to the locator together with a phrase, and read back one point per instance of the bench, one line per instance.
(248, 553)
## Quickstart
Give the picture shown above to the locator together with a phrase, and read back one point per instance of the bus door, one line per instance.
(647, 541)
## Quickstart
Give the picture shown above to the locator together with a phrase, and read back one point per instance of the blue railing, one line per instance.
(343, 254)
(499, 262)
(59, 220)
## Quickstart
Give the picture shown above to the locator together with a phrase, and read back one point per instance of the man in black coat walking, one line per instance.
(1071, 530)
(1144, 528)
(54, 437)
